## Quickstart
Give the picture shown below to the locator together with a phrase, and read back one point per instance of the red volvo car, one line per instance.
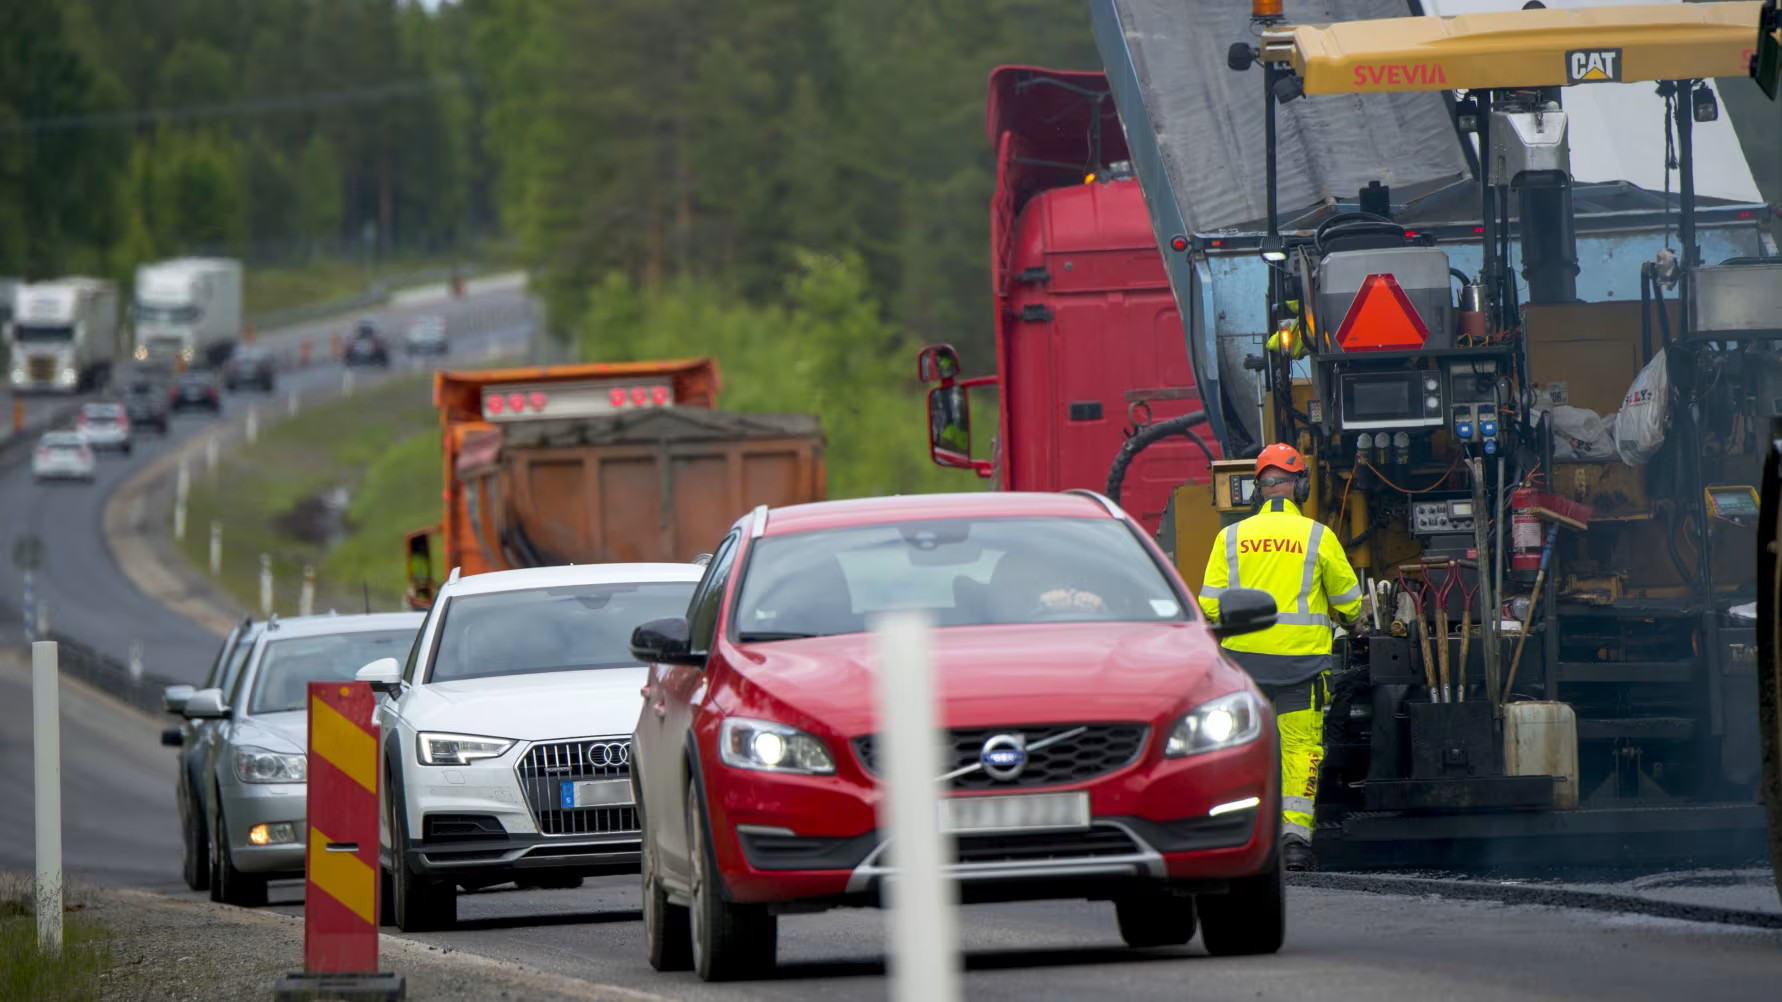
(1098, 745)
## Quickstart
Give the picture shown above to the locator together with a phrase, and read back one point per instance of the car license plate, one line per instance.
(596, 793)
(1021, 812)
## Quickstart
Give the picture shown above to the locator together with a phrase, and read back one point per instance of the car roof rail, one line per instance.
(760, 522)
(1112, 508)
(272, 621)
(457, 572)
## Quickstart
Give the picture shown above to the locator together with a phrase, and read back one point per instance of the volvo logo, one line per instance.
(1004, 756)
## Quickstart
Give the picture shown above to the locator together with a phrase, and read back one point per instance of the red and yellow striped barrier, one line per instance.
(340, 905)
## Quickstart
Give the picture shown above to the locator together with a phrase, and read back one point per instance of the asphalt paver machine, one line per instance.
(1553, 501)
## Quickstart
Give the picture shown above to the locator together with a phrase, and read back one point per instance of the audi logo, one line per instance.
(608, 752)
(566, 758)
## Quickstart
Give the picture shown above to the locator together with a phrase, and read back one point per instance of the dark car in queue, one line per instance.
(366, 345)
(251, 366)
(1097, 742)
(197, 389)
(146, 401)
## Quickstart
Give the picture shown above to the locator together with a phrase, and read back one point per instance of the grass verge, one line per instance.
(379, 448)
(29, 973)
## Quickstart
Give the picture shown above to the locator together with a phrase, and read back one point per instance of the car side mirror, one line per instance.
(206, 704)
(172, 738)
(384, 674)
(937, 363)
(664, 641)
(174, 697)
(1244, 610)
(949, 426)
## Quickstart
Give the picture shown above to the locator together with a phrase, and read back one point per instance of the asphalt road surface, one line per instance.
(89, 598)
(121, 827)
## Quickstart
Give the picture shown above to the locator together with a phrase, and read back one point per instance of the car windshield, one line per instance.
(148, 314)
(566, 628)
(963, 572)
(100, 412)
(41, 333)
(288, 665)
(63, 440)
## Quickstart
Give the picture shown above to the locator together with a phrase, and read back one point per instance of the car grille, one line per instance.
(1102, 840)
(546, 767)
(41, 368)
(1096, 751)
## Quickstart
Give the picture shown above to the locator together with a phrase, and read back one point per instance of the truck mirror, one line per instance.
(937, 363)
(949, 426)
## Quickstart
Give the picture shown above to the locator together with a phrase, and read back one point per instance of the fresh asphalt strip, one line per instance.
(1535, 894)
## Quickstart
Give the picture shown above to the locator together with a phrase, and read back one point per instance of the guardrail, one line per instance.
(143, 692)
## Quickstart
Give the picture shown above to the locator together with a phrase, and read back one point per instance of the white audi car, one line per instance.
(506, 737)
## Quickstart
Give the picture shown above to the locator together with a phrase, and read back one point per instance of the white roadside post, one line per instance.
(291, 403)
(306, 599)
(46, 747)
(216, 548)
(924, 956)
(210, 456)
(346, 381)
(253, 425)
(136, 660)
(182, 486)
(265, 584)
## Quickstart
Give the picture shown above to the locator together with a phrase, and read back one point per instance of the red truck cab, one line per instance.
(1088, 339)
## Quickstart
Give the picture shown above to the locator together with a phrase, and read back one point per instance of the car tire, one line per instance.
(129, 448)
(417, 904)
(227, 884)
(195, 865)
(1155, 920)
(668, 933)
(730, 941)
(1249, 919)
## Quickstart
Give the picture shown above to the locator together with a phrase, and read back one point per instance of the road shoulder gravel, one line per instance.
(166, 948)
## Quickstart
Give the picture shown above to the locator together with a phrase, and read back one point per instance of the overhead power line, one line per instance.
(255, 108)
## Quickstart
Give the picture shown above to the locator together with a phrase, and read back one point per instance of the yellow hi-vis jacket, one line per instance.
(1300, 563)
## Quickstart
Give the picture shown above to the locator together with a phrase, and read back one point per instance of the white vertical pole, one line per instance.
(253, 425)
(346, 381)
(182, 486)
(46, 745)
(291, 403)
(136, 660)
(210, 456)
(265, 584)
(216, 548)
(306, 599)
(924, 961)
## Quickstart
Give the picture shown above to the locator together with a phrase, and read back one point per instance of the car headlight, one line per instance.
(1225, 722)
(458, 749)
(770, 747)
(257, 765)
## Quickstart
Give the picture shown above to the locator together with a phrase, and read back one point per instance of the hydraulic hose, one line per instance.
(1148, 436)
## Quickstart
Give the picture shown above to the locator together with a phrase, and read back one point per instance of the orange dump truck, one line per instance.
(582, 464)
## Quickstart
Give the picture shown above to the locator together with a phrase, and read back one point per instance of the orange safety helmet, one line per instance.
(1284, 457)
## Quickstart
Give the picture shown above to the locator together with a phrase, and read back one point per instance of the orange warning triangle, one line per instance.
(1381, 319)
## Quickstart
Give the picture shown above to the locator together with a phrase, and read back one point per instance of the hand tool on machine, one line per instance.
(1528, 617)
(1416, 597)
(1467, 596)
(1441, 609)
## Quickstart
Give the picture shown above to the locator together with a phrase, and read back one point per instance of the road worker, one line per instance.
(1299, 562)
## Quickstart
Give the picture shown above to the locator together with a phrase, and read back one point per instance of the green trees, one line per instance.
(275, 130)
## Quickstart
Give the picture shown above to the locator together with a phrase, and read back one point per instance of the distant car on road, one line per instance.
(366, 345)
(250, 365)
(1099, 745)
(146, 403)
(63, 455)
(426, 336)
(522, 685)
(255, 762)
(197, 389)
(105, 426)
(191, 738)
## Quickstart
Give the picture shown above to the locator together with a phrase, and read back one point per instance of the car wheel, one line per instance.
(195, 866)
(417, 903)
(668, 939)
(1155, 921)
(1250, 919)
(730, 941)
(129, 448)
(227, 884)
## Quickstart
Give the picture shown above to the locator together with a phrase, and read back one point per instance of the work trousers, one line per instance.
(1299, 715)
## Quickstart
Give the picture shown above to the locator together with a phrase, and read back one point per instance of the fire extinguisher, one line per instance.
(1525, 531)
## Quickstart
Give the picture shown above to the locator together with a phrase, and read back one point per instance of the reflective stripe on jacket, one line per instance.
(1293, 558)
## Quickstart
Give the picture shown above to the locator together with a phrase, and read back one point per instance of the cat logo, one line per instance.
(1593, 66)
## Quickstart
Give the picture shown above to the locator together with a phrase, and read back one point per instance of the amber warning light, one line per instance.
(1265, 10)
(532, 403)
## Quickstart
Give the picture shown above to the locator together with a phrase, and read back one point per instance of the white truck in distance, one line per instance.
(64, 335)
(188, 310)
